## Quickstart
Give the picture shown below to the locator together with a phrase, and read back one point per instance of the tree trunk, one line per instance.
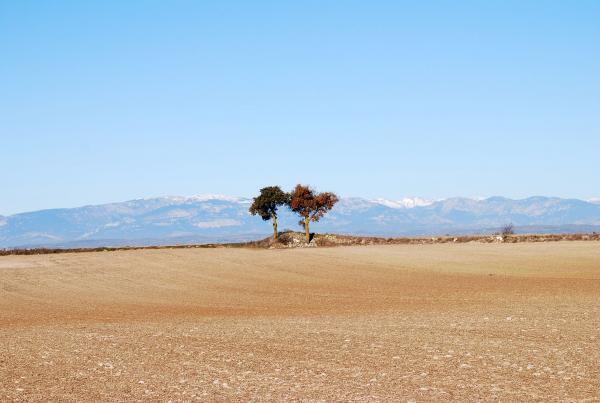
(306, 230)
(274, 227)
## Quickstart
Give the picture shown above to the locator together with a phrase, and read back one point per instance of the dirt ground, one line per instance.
(513, 322)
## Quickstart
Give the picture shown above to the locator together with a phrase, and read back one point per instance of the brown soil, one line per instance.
(473, 321)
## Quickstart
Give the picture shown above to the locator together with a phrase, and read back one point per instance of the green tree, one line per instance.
(310, 206)
(265, 205)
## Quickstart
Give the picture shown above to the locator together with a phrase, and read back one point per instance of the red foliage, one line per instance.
(308, 204)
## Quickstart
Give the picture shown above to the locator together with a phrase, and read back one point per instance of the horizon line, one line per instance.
(377, 200)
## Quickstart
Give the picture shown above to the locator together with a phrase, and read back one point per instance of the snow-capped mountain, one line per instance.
(217, 218)
(407, 202)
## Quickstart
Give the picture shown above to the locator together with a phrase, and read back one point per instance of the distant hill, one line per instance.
(200, 219)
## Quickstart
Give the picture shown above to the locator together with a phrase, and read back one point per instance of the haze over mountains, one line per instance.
(213, 218)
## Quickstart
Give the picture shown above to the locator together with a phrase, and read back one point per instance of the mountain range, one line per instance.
(215, 218)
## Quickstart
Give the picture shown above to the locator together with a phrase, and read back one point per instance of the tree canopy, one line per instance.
(311, 206)
(265, 205)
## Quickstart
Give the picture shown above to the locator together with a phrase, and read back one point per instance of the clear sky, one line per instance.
(113, 100)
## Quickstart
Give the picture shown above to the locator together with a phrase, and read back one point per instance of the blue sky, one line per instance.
(110, 100)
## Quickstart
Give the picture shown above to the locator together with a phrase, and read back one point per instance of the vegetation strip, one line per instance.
(286, 240)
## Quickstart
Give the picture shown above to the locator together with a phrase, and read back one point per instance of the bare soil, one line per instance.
(436, 322)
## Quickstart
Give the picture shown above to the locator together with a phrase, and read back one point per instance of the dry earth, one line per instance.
(378, 323)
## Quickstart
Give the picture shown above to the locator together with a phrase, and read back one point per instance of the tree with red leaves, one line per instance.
(310, 206)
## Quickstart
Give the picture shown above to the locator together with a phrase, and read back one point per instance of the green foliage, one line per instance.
(265, 205)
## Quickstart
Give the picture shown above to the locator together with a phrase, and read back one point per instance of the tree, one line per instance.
(266, 204)
(508, 230)
(310, 205)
